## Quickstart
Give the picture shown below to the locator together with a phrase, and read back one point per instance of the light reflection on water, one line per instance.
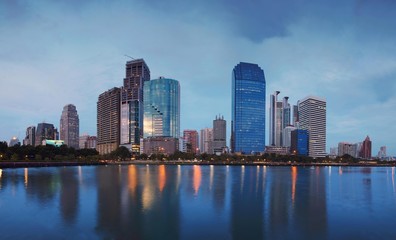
(198, 202)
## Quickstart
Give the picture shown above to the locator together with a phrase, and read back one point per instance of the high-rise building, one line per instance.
(312, 117)
(206, 140)
(248, 109)
(299, 142)
(295, 116)
(87, 141)
(108, 121)
(70, 126)
(191, 141)
(382, 152)
(347, 148)
(131, 130)
(219, 135)
(287, 135)
(280, 113)
(45, 131)
(30, 137)
(286, 114)
(162, 108)
(365, 151)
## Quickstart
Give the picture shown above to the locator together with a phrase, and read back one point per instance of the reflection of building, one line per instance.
(160, 145)
(30, 136)
(70, 126)
(312, 117)
(191, 141)
(206, 140)
(365, 151)
(136, 74)
(45, 131)
(299, 142)
(219, 135)
(108, 121)
(162, 108)
(248, 109)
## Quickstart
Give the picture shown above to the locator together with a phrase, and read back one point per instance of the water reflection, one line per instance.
(201, 202)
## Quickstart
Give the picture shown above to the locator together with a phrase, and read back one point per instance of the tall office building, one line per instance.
(312, 117)
(286, 135)
(137, 73)
(206, 140)
(30, 137)
(191, 140)
(295, 116)
(162, 108)
(70, 126)
(365, 151)
(219, 135)
(299, 142)
(248, 109)
(280, 113)
(45, 131)
(108, 121)
(286, 114)
(347, 148)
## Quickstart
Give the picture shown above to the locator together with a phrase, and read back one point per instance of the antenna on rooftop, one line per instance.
(129, 57)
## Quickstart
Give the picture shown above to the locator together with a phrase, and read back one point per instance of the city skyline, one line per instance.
(343, 52)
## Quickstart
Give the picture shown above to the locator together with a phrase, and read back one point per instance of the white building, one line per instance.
(287, 136)
(206, 140)
(312, 117)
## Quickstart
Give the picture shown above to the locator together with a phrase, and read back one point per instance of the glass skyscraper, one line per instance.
(161, 108)
(248, 109)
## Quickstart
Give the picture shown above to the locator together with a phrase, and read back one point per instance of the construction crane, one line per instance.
(129, 57)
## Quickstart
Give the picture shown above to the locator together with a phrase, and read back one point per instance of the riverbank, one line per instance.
(47, 164)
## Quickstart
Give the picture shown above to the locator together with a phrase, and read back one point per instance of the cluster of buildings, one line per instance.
(68, 133)
(144, 115)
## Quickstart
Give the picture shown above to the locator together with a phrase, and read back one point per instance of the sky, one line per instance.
(54, 53)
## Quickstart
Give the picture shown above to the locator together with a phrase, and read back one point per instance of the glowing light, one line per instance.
(26, 176)
(197, 178)
(132, 178)
(294, 181)
(161, 177)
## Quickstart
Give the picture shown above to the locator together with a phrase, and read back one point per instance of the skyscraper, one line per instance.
(108, 121)
(137, 73)
(312, 117)
(70, 126)
(162, 108)
(30, 137)
(191, 141)
(365, 151)
(206, 140)
(219, 135)
(275, 121)
(299, 142)
(248, 109)
(45, 131)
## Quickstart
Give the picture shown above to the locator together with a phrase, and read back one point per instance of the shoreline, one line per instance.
(4, 165)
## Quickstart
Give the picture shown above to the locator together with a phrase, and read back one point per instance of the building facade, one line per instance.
(131, 106)
(299, 142)
(45, 131)
(347, 148)
(162, 108)
(248, 109)
(206, 141)
(191, 141)
(312, 117)
(30, 137)
(219, 135)
(108, 121)
(160, 145)
(70, 126)
(286, 136)
(365, 151)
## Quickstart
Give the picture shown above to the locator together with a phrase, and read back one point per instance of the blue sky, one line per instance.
(56, 53)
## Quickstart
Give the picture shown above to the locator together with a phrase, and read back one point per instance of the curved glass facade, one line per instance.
(248, 109)
(161, 108)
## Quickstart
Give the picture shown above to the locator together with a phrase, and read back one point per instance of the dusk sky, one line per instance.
(53, 53)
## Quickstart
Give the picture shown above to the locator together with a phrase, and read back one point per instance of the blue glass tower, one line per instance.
(248, 109)
(299, 142)
(161, 108)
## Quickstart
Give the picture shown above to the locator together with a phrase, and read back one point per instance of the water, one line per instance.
(198, 202)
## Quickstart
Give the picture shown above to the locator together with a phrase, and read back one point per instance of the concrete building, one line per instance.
(160, 145)
(219, 135)
(30, 137)
(131, 105)
(312, 117)
(347, 148)
(206, 140)
(108, 121)
(70, 126)
(286, 136)
(191, 141)
(45, 131)
(365, 151)
(87, 141)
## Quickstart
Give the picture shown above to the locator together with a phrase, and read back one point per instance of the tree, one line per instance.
(121, 153)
